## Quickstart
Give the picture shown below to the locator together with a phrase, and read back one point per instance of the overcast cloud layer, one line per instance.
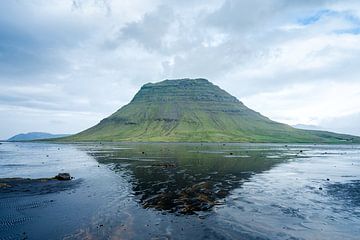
(65, 65)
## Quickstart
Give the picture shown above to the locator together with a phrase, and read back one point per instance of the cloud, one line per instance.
(150, 29)
(287, 59)
(344, 124)
(16, 120)
(308, 103)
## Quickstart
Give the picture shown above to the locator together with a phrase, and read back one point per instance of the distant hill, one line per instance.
(195, 110)
(307, 127)
(35, 136)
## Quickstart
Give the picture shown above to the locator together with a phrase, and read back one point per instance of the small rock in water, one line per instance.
(4, 185)
(221, 193)
(63, 177)
(165, 165)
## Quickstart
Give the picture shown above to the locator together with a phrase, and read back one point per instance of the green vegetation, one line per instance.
(195, 110)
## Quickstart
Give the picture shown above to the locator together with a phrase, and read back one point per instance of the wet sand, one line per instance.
(179, 191)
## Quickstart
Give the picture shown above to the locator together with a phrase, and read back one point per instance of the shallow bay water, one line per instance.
(181, 191)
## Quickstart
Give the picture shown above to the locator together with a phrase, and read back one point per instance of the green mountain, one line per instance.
(195, 110)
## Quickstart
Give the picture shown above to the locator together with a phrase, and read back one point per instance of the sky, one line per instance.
(65, 65)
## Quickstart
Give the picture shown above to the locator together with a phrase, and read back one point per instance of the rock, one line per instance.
(221, 193)
(165, 165)
(4, 185)
(63, 177)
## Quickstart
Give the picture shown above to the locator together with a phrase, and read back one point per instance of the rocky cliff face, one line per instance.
(194, 110)
(182, 91)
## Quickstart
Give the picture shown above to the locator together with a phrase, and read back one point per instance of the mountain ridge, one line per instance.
(30, 136)
(195, 110)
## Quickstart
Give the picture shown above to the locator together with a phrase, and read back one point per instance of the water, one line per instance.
(180, 191)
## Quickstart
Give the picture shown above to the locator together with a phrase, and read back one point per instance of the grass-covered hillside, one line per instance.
(194, 110)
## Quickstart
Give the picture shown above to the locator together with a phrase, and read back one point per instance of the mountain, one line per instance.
(35, 136)
(307, 127)
(195, 110)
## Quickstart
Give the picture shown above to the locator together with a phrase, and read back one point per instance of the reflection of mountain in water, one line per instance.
(185, 178)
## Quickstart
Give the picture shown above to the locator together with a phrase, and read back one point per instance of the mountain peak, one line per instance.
(183, 90)
(180, 82)
(194, 110)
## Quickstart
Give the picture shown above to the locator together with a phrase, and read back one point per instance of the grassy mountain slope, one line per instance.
(194, 110)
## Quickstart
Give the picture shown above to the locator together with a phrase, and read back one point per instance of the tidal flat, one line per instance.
(179, 191)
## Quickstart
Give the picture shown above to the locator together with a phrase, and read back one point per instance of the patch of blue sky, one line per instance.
(354, 31)
(316, 17)
(355, 22)
(346, 15)
(351, 18)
